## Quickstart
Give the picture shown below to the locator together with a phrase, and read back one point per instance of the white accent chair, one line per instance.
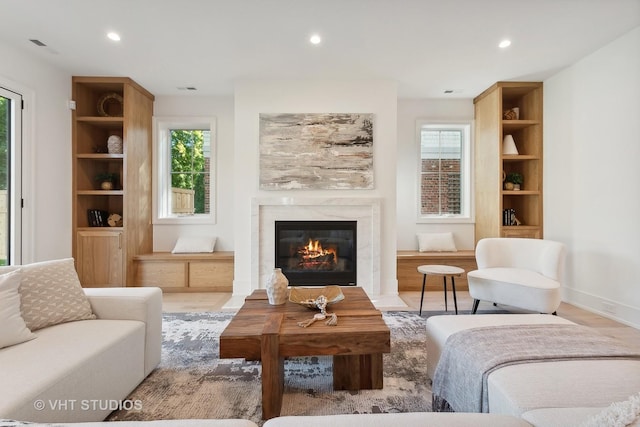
(523, 273)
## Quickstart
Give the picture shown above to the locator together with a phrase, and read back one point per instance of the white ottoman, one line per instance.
(439, 328)
(518, 389)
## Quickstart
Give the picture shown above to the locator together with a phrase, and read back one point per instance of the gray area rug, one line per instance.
(192, 382)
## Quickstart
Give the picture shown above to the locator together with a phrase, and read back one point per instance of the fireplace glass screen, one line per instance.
(317, 252)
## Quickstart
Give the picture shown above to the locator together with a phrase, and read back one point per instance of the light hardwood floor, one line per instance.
(433, 301)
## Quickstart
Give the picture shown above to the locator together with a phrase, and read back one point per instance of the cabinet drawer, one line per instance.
(210, 274)
(162, 274)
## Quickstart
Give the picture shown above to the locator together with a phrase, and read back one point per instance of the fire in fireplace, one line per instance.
(317, 252)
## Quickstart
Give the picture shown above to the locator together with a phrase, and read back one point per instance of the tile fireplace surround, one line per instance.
(366, 211)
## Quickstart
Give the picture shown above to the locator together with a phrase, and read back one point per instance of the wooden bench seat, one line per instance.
(194, 272)
(410, 280)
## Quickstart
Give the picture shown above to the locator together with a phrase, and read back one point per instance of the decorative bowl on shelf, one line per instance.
(308, 296)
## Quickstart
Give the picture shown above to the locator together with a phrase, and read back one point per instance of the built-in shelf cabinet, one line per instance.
(491, 165)
(104, 255)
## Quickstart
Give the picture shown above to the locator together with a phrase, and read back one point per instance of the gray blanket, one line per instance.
(469, 356)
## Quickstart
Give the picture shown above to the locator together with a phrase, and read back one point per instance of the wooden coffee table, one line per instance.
(269, 333)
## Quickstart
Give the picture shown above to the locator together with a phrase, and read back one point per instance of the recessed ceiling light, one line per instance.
(504, 43)
(114, 36)
(315, 39)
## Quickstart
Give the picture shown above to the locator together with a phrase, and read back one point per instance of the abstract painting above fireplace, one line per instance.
(316, 151)
(317, 253)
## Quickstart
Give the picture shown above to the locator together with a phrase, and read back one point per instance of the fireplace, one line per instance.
(317, 253)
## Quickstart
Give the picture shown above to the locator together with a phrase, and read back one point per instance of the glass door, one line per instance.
(10, 177)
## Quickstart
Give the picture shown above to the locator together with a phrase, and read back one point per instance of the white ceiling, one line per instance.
(427, 46)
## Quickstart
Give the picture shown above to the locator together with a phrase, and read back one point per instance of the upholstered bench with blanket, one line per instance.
(592, 372)
(440, 328)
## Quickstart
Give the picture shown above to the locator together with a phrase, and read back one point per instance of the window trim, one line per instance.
(161, 162)
(466, 198)
(15, 178)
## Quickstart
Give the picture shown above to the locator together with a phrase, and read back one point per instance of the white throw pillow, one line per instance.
(51, 293)
(13, 330)
(436, 242)
(626, 413)
(186, 245)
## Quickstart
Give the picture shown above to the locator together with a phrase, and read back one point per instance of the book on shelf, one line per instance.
(509, 217)
(97, 217)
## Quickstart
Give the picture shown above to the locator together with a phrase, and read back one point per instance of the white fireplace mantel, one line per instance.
(365, 211)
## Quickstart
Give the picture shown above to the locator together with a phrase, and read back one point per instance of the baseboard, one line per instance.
(610, 309)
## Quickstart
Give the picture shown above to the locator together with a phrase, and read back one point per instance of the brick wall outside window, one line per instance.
(440, 189)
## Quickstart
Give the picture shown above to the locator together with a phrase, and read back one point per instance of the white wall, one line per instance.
(165, 236)
(291, 96)
(591, 155)
(46, 153)
(409, 111)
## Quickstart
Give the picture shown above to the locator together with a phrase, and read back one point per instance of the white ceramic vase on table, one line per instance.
(277, 286)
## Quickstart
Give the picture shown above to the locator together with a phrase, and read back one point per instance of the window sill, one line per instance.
(196, 219)
(445, 220)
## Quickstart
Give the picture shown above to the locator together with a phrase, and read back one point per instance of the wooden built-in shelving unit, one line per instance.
(491, 165)
(104, 255)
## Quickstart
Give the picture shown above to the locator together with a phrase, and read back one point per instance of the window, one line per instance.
(444, 171)
(10, 177)
(184, 153)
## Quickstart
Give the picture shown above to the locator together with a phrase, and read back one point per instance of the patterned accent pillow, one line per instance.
(51, 294)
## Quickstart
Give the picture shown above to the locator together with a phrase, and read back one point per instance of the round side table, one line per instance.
(444, 271)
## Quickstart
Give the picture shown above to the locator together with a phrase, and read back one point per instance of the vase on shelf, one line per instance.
(277, 285)
(114, 144)
(509, 145)
(106, 185)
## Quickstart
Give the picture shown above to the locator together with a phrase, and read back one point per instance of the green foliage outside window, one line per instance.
(188, 164)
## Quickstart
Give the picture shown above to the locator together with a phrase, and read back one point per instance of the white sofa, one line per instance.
(549, 394)
(73, 371)
(423, 419)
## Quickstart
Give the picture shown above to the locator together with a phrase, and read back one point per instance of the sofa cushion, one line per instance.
(515, 276)
(560, 417)
(51, 293)
(13, 330)
(155, 423)
(399, 419)
(625, 413)
(517, 389)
